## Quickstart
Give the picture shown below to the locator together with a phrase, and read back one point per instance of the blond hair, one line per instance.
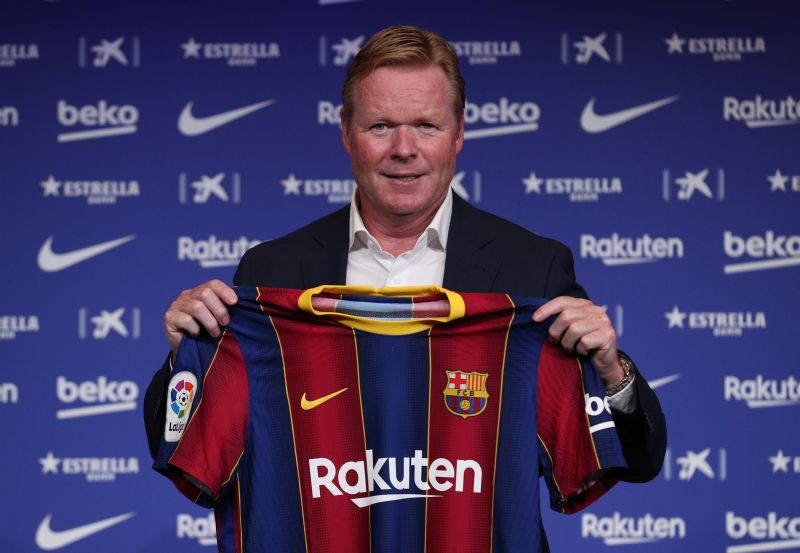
(404, 45)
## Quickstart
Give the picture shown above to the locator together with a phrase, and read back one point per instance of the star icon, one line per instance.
(780, 462)
(49, 463)
(675, 317)
(51, 186)
(778, 181)
(191, 48)
(675, 43)
(533, 184)
(291, 185)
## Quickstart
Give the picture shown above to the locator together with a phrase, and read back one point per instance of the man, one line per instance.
(403, 126)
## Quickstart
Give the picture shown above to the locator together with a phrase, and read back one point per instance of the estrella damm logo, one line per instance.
(465, 394)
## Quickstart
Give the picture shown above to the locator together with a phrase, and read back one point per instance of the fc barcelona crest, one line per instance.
(465, 393)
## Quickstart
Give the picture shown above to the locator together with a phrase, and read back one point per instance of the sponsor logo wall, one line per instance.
(664, 154)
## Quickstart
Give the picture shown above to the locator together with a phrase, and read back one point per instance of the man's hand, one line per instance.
(205, 306)
(584, 328)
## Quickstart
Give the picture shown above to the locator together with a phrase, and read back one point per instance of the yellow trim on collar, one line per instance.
(382, 326)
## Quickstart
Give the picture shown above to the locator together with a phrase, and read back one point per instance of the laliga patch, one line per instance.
(180, 395)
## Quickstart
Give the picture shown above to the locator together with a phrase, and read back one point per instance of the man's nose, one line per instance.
(404, 143)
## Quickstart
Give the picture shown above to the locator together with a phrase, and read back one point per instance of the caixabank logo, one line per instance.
(772, 532)
(760, 392)
(214, 252)
(760, 252)
(603, 47)
(617, 250)
(221, 187)
(339, 52)
(698, 184)
(619, 529)
(106, 52)
(103, 324)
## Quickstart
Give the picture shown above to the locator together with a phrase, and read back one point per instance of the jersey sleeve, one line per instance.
(207, 405)
(578, 442)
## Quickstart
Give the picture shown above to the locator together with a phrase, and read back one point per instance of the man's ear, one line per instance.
(345, 123)
(460, 137)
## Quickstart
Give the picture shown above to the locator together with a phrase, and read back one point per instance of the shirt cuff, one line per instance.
(624, 401)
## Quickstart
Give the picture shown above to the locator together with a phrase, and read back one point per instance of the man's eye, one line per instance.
(427, 126)
(378, 127)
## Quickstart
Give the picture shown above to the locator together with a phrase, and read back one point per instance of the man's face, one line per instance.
(402, 138)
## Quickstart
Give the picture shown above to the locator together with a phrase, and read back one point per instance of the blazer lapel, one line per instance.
(326, 260)
(472, 261)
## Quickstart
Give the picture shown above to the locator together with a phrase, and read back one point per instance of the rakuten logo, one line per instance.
(783, 532)
(115, 120)
(617, 250)
(214, 252)
(505, 116)
(367, 477)
(783, 249)
(759, 112)
(763, 392)
(619, 530)
(112, 396)
(204, 529)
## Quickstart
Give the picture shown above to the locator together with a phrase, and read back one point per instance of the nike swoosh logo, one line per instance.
(307, 404)
(49, 540)
(593, 123)
(190, 125)
(50, 262)
(658, 382)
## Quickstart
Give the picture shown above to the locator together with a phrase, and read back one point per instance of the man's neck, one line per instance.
(398, 234)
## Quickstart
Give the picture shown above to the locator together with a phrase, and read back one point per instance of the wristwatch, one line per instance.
(627, 367)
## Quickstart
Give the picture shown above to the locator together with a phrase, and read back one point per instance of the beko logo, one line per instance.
(109, 396)
(777, 533)
(111, 120)
(780, 250)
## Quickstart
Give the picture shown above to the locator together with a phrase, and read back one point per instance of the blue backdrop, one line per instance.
(658, 140)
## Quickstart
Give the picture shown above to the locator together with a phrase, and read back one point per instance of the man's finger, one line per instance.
(223, 291)
(557, 305)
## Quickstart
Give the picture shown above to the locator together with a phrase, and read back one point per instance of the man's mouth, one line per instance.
(402, 177)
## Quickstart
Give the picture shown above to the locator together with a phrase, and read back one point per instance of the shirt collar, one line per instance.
(436, 230)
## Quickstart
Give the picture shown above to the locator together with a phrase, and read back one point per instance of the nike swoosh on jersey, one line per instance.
(49, 540)
(593, 123)
(50, 261)
(307, 404)
(189, 125)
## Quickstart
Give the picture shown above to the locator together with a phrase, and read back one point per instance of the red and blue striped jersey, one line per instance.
(397, 420)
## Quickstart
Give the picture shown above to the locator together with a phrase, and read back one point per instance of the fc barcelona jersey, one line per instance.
(395, 420)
